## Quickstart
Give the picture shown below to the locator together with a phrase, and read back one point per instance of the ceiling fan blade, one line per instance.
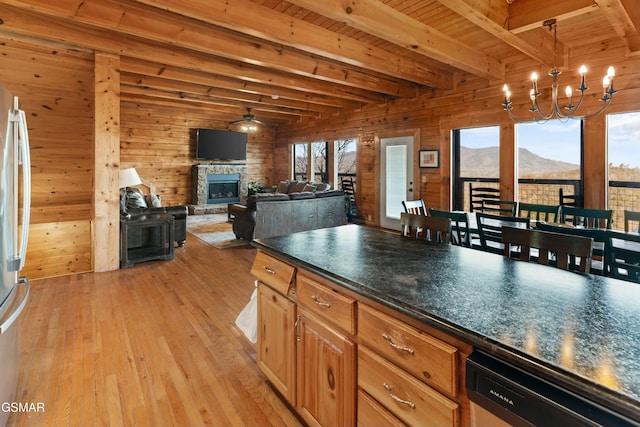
(267, 125)
(235, 122)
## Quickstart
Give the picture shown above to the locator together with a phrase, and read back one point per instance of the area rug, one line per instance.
(215, 230)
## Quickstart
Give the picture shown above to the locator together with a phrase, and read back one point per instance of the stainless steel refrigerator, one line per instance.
(15, 202)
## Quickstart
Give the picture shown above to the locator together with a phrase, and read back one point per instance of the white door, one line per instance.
(396, 181)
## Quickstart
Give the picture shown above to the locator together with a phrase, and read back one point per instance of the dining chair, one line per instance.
(538, 212)
(416, 207)
(478, 194)
(490, 230)
(499, 207)
(348, 188)
(585, 217)
(576, 200)
(624, 256)
(460, 230)
(600, 257)
(558, 250)
(428, 228)
(629, 217)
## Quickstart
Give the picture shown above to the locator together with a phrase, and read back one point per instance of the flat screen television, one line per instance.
(216, 144)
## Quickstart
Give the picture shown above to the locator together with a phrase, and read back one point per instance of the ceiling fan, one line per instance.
(249, 122)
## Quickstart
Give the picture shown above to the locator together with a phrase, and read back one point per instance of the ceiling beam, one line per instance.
(624, 17)
(493, 17)
(136, 66)
(525, 15)
(260, 21)
(148, 23)
(385, 22)
(161, 83)
(29, 26)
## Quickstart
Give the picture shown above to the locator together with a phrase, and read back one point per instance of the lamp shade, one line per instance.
(129, 177)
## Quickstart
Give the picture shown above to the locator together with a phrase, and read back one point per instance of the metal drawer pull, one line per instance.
(320, 302)
(268, 270)
(397, 399)
(397, 346)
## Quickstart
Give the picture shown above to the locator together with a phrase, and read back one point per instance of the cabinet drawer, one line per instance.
(273, 272)
(373, 414)
(323, 300)
(429, 359)
(410, 400)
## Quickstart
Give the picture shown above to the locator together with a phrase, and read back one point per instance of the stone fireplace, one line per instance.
(215, 185)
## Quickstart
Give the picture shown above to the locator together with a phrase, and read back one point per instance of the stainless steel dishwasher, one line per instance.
(504, 395)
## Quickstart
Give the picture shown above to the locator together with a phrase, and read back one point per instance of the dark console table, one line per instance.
(146, 238)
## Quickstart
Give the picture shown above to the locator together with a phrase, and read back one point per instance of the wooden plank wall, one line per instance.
(472, 102)
(55, 86)
(56, 90)
(158, 139)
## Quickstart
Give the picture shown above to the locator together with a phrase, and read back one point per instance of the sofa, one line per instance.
(135, 204)
(294, 206)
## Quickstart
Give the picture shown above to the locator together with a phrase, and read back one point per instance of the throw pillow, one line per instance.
(135, 199)
(297, 186)
(283, 187)
(322, 186)
(153, 200)
(309, 188)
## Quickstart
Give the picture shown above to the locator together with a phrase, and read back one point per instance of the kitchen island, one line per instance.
(578, 331)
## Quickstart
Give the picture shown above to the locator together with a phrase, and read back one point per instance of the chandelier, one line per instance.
(555, 110)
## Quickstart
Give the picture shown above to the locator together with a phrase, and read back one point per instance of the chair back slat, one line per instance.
(490, 229)
(601, 247)
(416, 207)
(425, 227)
(499, 207)
(478, 194)
(553, 248)
(534, 211)
(460, 230)
(624, 256)
(585, 217)
(631, 217)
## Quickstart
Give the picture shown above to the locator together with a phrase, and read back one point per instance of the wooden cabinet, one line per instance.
(373, 414)
(407, 371)
(276, 340)
(326, 354)
(397, 374)
(326, 374)
(276, 346)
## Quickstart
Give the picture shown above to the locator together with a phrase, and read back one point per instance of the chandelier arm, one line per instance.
(605, 105)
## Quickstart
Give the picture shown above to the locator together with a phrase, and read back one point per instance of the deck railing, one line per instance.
(623, 195)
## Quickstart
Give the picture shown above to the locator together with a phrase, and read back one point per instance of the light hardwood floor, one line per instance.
(151, 345)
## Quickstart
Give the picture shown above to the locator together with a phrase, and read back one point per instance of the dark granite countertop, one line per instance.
(581, 331)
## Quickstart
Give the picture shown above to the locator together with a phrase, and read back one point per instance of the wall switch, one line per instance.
(424, 179)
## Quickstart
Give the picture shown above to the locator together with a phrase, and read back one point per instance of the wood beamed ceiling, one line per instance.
(291, 60)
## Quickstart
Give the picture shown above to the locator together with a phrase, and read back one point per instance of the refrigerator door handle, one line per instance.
(26, 182)
(4, 326)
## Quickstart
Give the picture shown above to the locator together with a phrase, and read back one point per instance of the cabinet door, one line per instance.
(276, 340)
(326, 374)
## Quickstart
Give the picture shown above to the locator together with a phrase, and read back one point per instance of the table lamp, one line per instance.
(128, 178)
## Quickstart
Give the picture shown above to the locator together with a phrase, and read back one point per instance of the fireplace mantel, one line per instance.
(199, 185)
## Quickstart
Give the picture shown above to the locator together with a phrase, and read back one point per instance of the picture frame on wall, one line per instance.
(429, 158)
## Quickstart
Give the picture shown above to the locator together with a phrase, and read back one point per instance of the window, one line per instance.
(476, 158)
(316, 156)
(320, 162)
(623, 150)
(549, 158)
(300, 161)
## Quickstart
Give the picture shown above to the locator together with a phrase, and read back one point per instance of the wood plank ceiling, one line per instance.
(288, 60)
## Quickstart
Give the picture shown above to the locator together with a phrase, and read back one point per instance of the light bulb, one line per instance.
(569, 92)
